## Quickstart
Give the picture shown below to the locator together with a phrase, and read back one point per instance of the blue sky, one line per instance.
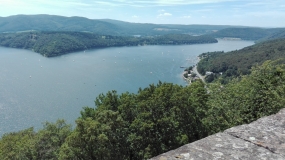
(263, 13)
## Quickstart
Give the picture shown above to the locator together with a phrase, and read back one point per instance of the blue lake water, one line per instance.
(35, 89)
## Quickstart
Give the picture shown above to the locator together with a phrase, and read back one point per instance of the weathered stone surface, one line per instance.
(267, 132)
(262, 139)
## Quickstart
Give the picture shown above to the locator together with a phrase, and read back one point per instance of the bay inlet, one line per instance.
(35, 89)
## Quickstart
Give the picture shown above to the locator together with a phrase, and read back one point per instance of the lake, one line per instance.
(35, 89)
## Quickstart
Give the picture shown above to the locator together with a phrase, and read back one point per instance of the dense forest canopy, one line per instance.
(98, 26)
(273, 36)
(156, 119)
(246, 33)
(236, 63)
(51, 44)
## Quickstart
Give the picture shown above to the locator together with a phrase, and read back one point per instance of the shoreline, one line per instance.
(192, 71)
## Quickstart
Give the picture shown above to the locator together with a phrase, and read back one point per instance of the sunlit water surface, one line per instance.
(35, 89)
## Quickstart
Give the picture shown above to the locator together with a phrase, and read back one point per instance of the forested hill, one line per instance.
(99, 26)
(246, 33)
(51, 44)
(275, 35)
(239, 62)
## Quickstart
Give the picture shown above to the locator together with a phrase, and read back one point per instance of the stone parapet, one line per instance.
(261, 139)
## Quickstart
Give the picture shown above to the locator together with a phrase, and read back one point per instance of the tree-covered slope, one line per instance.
(54, 23)
(239, 62)
(57, 43)
(245, 33)
(275, 35)
(159, 29)
(99, 26)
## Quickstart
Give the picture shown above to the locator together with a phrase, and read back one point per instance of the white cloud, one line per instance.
(203, 10)
(188, 2)
(263, 14)
(148, 3)
(13, 3)
(167, 14)
(135, 16)
(151, 3)
(164, 14)
(187, 17)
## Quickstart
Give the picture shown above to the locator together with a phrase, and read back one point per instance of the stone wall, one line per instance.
(261, 139)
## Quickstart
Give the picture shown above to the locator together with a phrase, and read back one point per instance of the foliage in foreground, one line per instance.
(29, 145)
(242, 101)
(157, 119)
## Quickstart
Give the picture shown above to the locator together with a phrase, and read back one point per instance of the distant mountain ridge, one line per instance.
(247, 33)
(99, 26)
(54, 23)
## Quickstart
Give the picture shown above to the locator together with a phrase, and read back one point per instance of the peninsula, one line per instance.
(55, 43)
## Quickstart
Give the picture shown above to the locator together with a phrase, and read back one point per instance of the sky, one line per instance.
(259, 13)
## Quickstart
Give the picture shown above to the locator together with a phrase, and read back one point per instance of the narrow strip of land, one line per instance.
(198, 74)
